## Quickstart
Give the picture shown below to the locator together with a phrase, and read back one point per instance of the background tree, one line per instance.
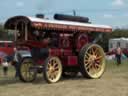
(117, 33)
(5, 34)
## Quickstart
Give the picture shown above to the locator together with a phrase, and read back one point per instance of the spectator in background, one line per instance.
(5, 65)
(118, 54)
(15, 62)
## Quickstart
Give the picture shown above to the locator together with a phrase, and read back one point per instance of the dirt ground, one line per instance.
(114, 82)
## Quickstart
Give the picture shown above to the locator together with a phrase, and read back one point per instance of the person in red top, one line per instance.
(118, 54)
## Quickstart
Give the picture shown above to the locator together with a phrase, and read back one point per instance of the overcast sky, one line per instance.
(110, 12)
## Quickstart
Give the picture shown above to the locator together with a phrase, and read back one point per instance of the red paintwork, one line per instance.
(6, 47)
(81, 41)
(69, 38)
(72, 61)
(55, 52)
(33, 43)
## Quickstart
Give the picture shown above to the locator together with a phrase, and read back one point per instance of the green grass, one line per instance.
(113, 62)
(113, 83)
(111, 66)
(11, 73)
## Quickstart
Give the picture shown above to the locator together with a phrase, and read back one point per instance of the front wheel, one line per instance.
(92, 61)
(27, 73)
(52, 69)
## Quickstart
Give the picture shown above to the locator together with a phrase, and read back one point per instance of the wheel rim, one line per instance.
(94, 61)
(54, 69)
(26, 72)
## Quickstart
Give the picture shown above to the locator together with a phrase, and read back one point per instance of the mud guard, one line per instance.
(20, 54)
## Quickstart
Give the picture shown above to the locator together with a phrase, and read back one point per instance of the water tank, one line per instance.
(71, 18)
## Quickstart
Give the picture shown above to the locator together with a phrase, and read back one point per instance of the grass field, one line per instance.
(114, 82)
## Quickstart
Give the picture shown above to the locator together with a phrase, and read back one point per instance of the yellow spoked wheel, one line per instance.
(27, 73)
(92, 61)
(52, 69)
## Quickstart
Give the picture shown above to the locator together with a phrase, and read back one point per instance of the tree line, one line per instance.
(116, 33)
(5, 34)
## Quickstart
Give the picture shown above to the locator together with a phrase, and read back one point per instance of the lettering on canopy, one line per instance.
(52, 26)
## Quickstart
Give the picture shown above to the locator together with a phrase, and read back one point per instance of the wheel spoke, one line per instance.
(52, 62)
(87, 58)
(48, 66)
(55, 65)
(88, 54)
(88, 68)
(97, 66)
(27, 72)
(49, 76)
(86, 63)
(99, 57)
(93, 51)
(94, 71)
(55, 74)
(25, 69)
(96, 52)
(97, 61)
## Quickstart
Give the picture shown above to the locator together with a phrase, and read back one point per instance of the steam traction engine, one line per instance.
(59, 47)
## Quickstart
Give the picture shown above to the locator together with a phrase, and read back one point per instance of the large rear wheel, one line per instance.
(52, 69)
(92, 61)
(27, 72)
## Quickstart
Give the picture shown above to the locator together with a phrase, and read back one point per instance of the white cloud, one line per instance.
(126, 14)
(19, 4)
(108, 16)
(118, 3)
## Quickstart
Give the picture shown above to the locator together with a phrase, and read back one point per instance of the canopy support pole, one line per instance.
(26, 33)
(15, 33)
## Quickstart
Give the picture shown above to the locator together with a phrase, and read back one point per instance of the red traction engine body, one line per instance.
(57, 48)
